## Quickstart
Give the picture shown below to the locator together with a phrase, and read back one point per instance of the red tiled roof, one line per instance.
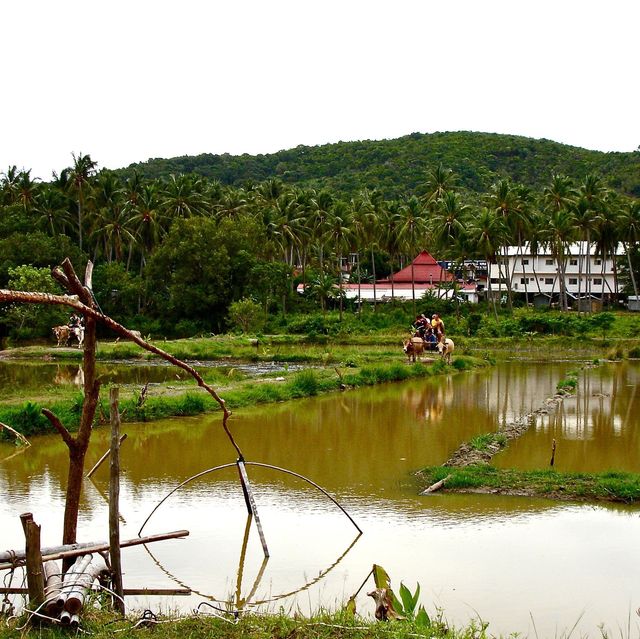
(425, 271)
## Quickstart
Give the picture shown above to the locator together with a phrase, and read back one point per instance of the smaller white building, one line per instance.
(585, 273)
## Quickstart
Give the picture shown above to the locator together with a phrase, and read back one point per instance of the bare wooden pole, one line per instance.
(251, 503)
(101, 460)
(35, 571)
(12, 559)
(114, 500)
(553, 453)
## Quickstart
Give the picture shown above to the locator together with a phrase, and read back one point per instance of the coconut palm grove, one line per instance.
(201, 245)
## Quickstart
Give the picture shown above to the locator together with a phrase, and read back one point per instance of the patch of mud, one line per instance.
(250, 368)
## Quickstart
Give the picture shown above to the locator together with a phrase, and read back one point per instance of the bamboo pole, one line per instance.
(35, 572)
(114, 501)
(53, 581)
(15, 590)
(12, 559)
(251, 503)
(83, 582)
(99, 462)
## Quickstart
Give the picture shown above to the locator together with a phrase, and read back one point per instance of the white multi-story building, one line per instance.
(585, 274)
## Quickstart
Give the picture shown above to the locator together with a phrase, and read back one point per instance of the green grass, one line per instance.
(486, 440)
(608, 486)
(185, 398)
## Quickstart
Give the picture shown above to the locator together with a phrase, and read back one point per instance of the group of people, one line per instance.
(430, 330)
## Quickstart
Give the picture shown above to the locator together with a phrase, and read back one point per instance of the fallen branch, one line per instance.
(437, 486)
(19, 436)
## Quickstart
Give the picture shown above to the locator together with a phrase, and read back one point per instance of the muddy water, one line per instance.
(510, 560)
(595, 430)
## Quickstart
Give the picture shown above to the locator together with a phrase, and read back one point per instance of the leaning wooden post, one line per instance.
(114, 498)
(35, 571)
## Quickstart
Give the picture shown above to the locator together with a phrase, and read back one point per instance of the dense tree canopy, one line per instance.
(173, 252)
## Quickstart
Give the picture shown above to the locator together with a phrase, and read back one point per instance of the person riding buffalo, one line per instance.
(438, 327)
(420, 325)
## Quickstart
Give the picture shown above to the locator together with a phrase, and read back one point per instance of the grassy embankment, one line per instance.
(482, 477)
(340, 625)
(332, 368)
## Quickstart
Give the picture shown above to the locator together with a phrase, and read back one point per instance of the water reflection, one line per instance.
(493, 554)
(595, 430)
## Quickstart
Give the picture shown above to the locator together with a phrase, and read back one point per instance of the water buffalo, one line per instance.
(413, 347)
(445, 348)
(64, 333)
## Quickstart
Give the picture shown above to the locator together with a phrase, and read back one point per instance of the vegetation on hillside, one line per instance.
(182, 254)
(396, 167)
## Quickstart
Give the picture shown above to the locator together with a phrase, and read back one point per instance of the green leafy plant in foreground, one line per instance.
(407, 606)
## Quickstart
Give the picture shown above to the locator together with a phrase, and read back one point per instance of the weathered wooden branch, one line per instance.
(101, 460)
(90, 312)
(437, 486)
(13, 558)
(114, 501)
(57, 424)
(19, 436)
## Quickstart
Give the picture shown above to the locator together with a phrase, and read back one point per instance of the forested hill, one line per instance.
(397, 167)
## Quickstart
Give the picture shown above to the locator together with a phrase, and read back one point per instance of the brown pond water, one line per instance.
(512, 561)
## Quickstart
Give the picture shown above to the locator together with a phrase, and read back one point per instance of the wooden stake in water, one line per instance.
(251, 503)
(114, 501)
(553, 452)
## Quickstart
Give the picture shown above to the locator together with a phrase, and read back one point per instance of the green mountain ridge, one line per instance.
(397, 167)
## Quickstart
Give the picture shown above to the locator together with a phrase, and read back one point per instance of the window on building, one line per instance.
(549, 262)
(573, 261)
(525, 262)
(597, 281)
(548, 280)
(522, 280)
(597, 262)
(573, 281)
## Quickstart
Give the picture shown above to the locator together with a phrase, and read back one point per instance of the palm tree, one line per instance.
(52, 207)
(440, 181)
(607, 234)
(487, 232)
(560, 232)
(629, 221)
(413, 234)
(147, 220)
(591, 195)
(182, 197)
(80, 175)
(507, 200)
(111, 223)
(339, 234)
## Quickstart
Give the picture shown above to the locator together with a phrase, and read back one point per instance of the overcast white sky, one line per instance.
(128, 80)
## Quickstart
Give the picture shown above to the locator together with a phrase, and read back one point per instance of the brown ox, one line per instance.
(413, 347)
(62, 333)
(445, 348)
(65, 333)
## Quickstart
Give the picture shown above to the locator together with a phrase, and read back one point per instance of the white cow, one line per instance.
(445, 348)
